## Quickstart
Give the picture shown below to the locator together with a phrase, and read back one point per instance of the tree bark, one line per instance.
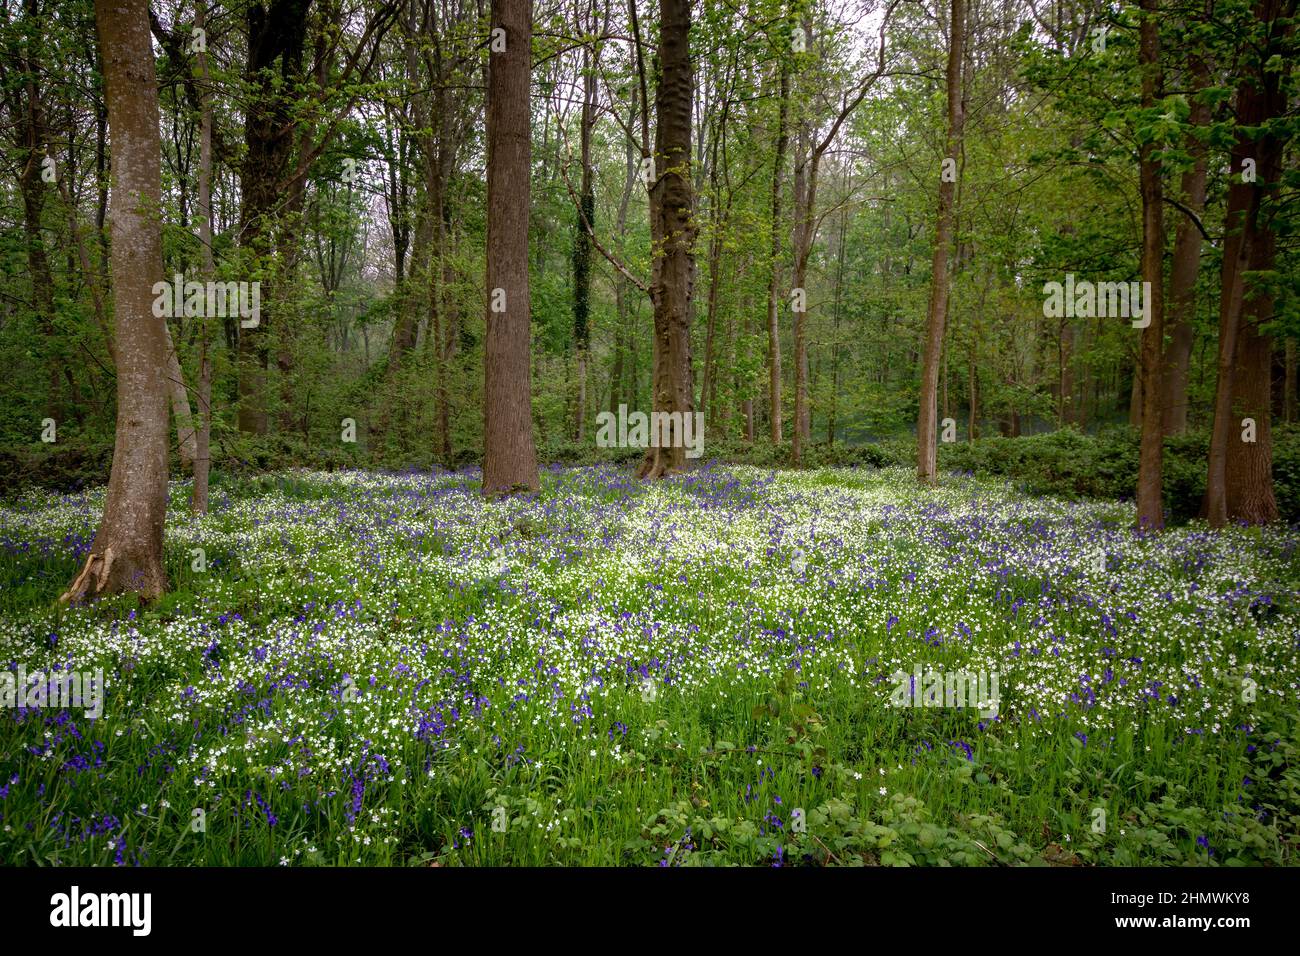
(1184, 270)
(276, 33)
(126, 555)
(203, 435)
(804, 197)
(926, 426)
(582, 238)
(1289, 384)
(672, 230)
(774, 281)
(509, 457)
(27, 116)
(1248, 471)
(1150, 486)
(1248, 244)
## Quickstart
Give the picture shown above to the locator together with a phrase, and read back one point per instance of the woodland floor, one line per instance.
(386, 669)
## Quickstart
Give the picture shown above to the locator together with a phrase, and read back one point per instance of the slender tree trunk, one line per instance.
(29, 124)
(718, 217)
(1184, 270)
(1150, 488)
(1289, 384)
(203, 435)
(672, 230)
(803, 226)
(774, 282)
(1135, 392)
(509, 457)
(711, 318)
(126, 554)
(179, 397)
(835, 334)
(927, 449)
(1065, 359)
(971, 385)
(582, 238)
(622, 338)
(406, 327)
(32, 141)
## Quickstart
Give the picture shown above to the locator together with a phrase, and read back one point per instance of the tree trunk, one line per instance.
(971, 387)
(179, 397)
(1184, 270)
(581, 237)
(711, 313)
(1065, 359)
(276, 32)
(774, 282)
(1248, 244)
(803, 228)
(509, 458)
(927, 449)
(1289, 384)
(1150, 485)
(126, 554)
(406, 327)
(30, 136)
(1248, 471)
(672, 230)
(835, 334)
(203, 435)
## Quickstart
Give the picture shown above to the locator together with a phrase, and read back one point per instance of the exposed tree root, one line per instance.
(77, 590)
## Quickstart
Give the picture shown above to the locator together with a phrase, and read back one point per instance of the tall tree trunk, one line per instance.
(1065, 360)
(582, 238)
(30, 135)
(1184, 270)
(621, 286)
(509, 458)
(1248, 471)
(126, 554)
(774, 282)
(709, 382)
(179, 397)
(1248, 244)
(276, 34)
(1150, 486)
(1289, 384)
(672, 231)
(835, 336)
(927, 449)
(718, 217)
(203, 434)
(406, 327)
(971, 387)
(802, 242)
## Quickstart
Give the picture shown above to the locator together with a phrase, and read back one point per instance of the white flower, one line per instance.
(883, 791)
